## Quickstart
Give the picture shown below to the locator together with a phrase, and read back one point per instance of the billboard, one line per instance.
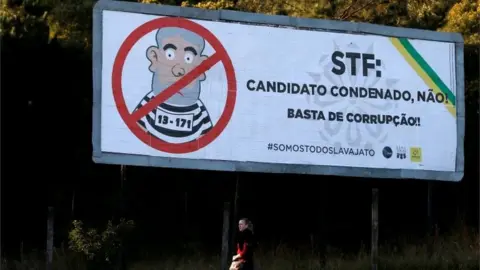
(225, 90)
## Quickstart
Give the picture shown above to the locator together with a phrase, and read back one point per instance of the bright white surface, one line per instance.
(297, 56)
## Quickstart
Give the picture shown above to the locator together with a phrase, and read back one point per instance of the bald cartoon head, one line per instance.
(177, 52)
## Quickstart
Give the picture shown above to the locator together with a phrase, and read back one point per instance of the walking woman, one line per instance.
(245, 244)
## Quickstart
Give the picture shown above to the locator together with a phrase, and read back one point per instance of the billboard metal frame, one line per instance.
(276, 21)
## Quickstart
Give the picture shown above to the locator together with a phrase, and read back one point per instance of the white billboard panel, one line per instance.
(191, 90)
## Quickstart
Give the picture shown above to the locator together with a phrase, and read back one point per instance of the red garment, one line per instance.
(241, 251)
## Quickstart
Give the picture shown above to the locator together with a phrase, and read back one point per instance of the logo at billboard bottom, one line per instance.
(387, 152)
(401, 152)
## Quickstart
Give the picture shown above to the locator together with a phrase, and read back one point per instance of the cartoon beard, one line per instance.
(185, 97)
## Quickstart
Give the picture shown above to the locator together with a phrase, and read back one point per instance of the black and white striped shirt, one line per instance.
(175, 124)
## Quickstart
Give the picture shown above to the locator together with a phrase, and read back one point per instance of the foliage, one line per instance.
(444, 15)
(428, 14)
(221, 4)
(472, 74)
(341, 10)
(62, 260)
(19, 22)
(464, 17)
(70, 21)
(458, 251)
(99, 246)
(472, 89)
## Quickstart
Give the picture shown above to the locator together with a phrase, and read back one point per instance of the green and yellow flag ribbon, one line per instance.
(425, 72)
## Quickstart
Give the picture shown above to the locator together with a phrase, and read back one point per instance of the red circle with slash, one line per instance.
(131, 119)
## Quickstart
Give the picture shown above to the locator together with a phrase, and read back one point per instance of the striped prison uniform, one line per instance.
(175, 124)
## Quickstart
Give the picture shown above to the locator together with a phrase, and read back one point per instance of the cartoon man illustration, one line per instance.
(182, 117)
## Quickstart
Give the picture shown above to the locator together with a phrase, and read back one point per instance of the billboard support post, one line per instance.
(375, 228)
(235, 215)
(430, 227)
(225, 252)
(50, 232)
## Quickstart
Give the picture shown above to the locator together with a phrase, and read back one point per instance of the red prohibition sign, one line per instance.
(131, 119)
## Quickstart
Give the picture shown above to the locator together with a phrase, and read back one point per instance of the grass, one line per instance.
(458, 251)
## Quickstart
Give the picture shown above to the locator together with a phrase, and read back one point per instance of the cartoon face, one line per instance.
(174, 59)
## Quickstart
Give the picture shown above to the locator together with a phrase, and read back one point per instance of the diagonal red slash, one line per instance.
(176, 87)
(126, 115)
